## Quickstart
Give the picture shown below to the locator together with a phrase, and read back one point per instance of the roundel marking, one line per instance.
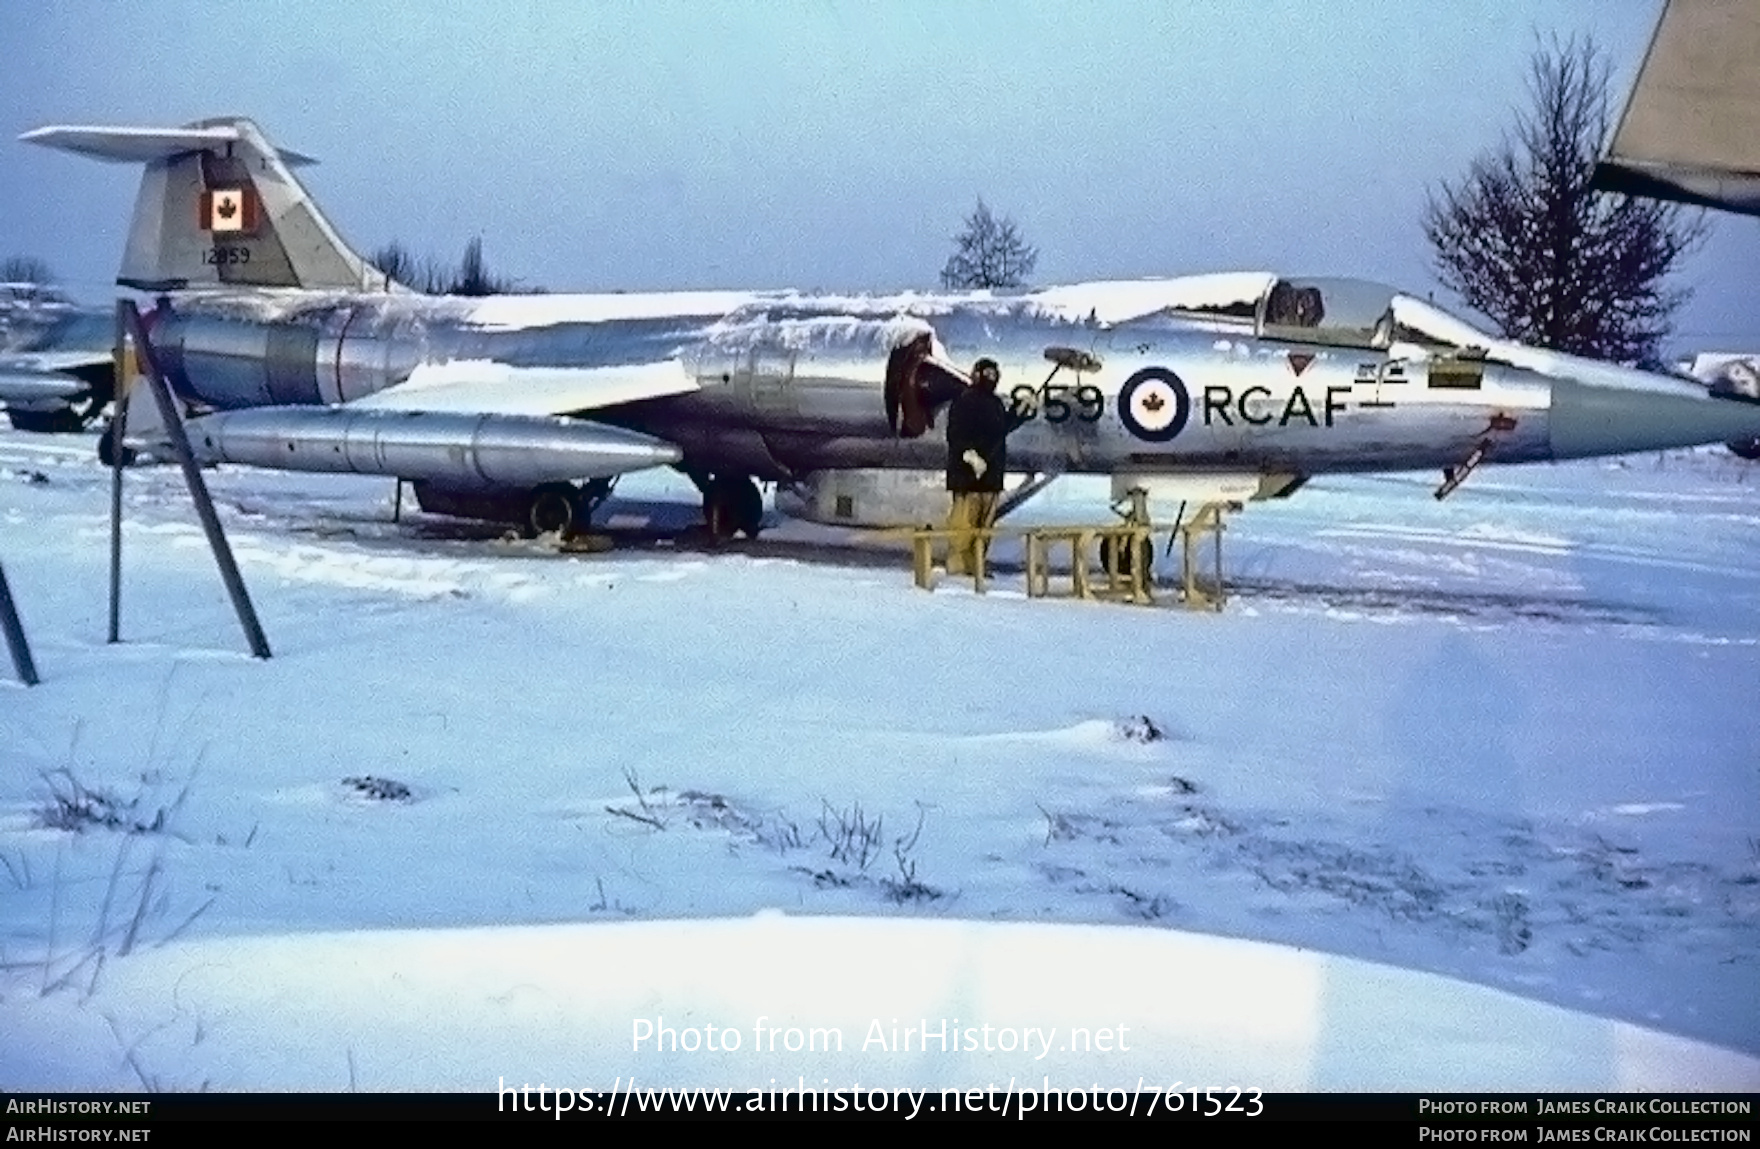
(1154, 404)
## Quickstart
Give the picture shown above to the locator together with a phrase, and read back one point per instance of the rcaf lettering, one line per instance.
(1247, 412)
(1256, 406)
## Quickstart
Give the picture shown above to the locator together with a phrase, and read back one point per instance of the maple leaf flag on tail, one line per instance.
(229, 211)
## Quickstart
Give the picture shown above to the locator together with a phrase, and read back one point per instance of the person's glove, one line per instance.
(976, 462)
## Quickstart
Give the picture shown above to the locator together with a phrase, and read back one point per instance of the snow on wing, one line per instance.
(485, 387)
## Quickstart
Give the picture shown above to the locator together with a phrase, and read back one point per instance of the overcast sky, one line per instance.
(825, 143)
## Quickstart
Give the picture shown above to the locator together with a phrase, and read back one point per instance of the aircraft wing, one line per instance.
(1688, 132)
(70, 362)
(46, 376)
(487, 387)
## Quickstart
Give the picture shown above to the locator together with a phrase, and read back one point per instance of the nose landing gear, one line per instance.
(1197, 592)
(1128, 559)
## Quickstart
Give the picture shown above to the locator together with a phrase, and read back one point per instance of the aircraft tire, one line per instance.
(554, 507)
(733, 505)
(1144, 559)
(1744, 448)
(748, 507)
(63, 421)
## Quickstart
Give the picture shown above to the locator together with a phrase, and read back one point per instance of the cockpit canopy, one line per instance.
(1342, 312)
(1358, 313)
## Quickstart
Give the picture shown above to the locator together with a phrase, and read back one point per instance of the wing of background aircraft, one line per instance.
(56, 368)
(48, 375)
(1691, 129)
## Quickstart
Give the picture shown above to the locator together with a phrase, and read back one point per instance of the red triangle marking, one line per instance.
(1299, 360)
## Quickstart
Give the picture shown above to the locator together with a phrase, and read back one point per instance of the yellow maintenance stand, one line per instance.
(1108, 563)
(1198, 595)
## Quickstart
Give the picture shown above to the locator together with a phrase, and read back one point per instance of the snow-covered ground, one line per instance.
(1454, 795)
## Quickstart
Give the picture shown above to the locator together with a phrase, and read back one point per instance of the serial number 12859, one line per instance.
(226, 254)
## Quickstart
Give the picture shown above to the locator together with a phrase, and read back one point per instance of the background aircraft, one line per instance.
(291, 351)
(1690, 133)
(1691, 128)
(56, 364)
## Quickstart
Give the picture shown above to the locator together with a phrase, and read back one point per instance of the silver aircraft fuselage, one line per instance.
(297, 353)
(1173, 379)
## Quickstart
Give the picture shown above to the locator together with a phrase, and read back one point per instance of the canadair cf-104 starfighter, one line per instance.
(290, 351)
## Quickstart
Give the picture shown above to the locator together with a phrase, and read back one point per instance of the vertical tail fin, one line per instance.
(219, 205)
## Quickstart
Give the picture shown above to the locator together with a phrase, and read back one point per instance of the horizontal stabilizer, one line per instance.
(483, 386)
(218, 206)
(121, 145)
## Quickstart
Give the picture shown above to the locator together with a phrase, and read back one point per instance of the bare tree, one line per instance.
(25, 269)
(988, 253)
(474, 277)
(1524, 240)
(471, 277)
(424, 273)
(395, 260)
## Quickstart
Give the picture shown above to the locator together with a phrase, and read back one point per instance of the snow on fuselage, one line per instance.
(779, 384)
(1174, 375)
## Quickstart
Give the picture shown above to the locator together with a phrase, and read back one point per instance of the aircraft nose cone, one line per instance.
(1595, 419)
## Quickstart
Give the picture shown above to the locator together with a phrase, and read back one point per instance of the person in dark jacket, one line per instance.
(978, 426)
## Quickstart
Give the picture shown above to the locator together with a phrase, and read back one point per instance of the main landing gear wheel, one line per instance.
(732, 505)
(555, 507)
(1143, 560)
(62, 421)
